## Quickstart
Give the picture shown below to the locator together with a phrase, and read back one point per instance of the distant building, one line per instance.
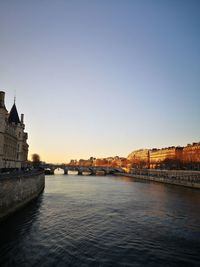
(191, 153)
(164, 156)
(187, 157)
(139, 158)
(13, 139)
(191, 156)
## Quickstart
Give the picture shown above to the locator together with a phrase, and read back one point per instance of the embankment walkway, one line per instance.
(175, 177)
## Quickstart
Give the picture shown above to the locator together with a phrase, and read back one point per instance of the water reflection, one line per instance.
(72, 172)
(58, 171)
(16, 228)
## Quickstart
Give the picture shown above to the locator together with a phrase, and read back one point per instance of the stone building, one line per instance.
(139, 158)
(187, 157)
(165, 156)
(13, 138)
(191, 155)
(156, 158)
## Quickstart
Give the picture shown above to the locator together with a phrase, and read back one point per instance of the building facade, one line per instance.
(191, 156)
(187, 157)
(139, 158)
(13, 138)
(165, 156)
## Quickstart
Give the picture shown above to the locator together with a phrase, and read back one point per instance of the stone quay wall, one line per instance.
(182, 178)
(17, 189)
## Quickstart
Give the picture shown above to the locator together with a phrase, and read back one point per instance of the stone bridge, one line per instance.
(90, 170)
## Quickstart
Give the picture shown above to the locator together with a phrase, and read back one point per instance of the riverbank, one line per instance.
(181, 178)
(19, 188)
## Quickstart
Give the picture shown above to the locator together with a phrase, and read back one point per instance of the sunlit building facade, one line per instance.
(139, 158)
(191, 155)
(187, 157)
(159, 157)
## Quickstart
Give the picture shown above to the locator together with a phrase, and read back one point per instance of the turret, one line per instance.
(22, 118)
(2, 97)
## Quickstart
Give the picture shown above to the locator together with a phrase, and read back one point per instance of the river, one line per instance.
(104, 221)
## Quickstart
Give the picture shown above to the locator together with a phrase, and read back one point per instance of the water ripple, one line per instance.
(102, 221)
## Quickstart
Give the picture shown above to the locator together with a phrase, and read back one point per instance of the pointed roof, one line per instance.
(13, 115)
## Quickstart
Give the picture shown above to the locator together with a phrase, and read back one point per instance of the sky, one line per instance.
(102, 78)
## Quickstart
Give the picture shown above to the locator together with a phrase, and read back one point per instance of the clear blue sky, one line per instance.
(102, 78)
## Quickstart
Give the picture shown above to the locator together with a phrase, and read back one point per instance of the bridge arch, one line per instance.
(59, 170)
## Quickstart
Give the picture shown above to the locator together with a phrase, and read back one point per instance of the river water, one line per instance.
(104, 221)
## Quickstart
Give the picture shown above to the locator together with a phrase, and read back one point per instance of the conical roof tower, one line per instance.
(13, 115)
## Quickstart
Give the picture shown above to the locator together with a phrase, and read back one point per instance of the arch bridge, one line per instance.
(91, 170)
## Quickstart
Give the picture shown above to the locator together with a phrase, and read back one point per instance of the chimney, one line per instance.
(2, 97)
(22, 118)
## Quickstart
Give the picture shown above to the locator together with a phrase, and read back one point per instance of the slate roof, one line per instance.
(13, 115)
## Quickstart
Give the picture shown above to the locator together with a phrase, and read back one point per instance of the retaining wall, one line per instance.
(17, 189)
(182, 178)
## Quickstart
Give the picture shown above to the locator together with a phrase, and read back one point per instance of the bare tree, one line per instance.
(36, 160)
